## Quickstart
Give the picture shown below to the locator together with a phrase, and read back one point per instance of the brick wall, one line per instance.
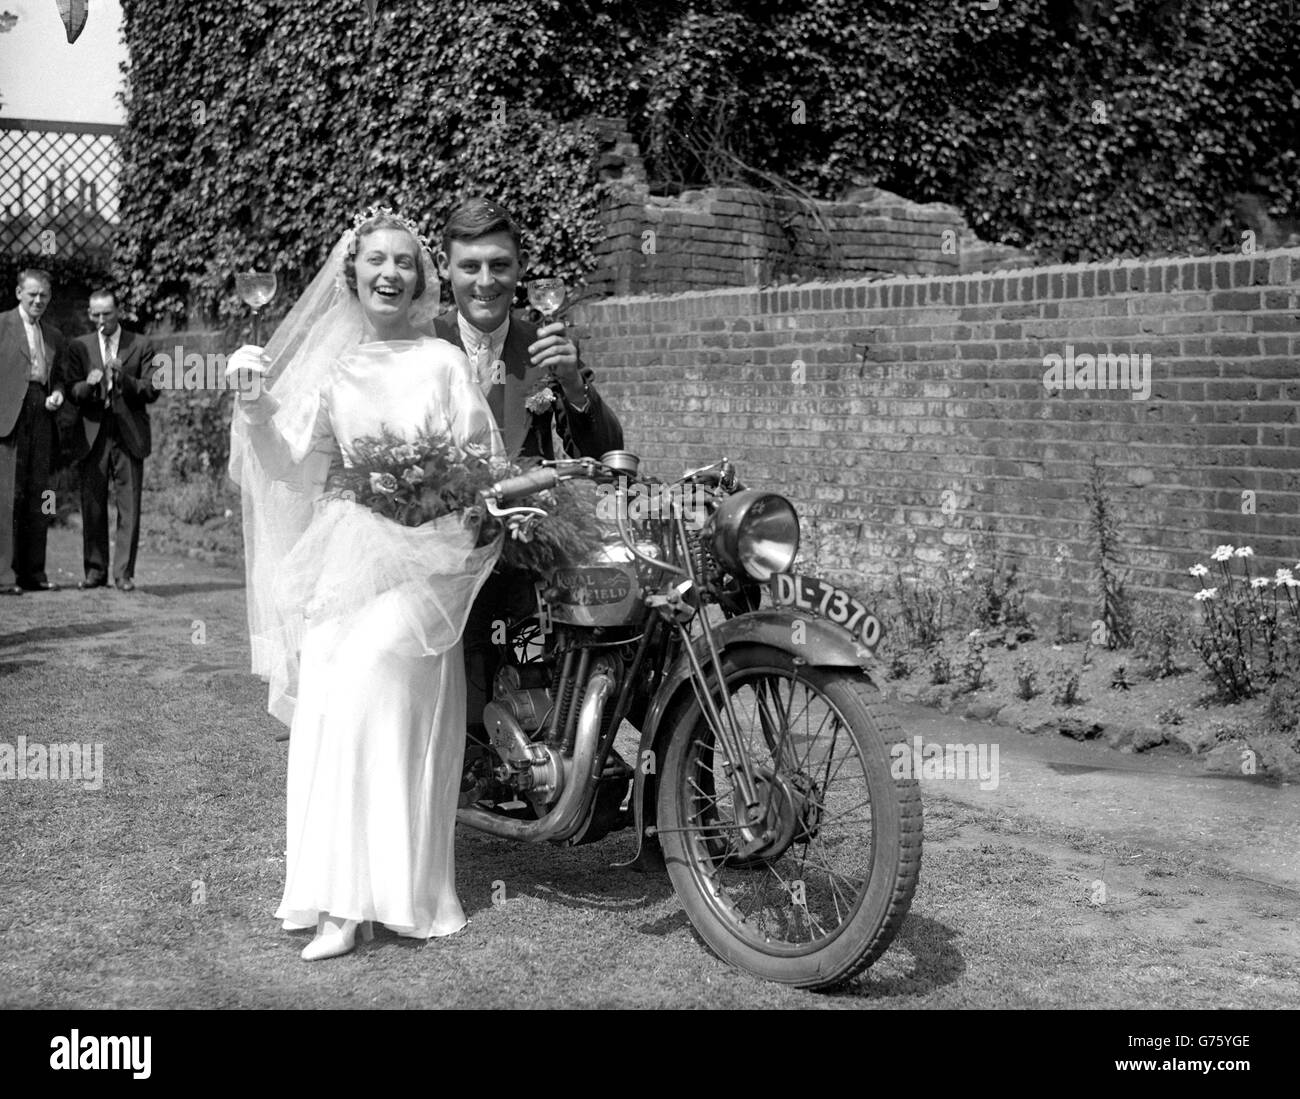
(733, 236)
(903, 415)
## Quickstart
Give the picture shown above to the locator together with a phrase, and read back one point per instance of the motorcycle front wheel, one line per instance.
(811, 885)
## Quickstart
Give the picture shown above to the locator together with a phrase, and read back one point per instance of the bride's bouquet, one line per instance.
(416, 481)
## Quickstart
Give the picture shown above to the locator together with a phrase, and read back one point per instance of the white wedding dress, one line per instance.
(378, 715)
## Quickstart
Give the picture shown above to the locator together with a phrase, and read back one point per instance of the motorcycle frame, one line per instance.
(693, 674)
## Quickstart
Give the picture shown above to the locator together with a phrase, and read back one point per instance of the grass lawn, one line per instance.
(101, 906)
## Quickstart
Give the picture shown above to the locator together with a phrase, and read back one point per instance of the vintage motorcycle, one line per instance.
(762, 773)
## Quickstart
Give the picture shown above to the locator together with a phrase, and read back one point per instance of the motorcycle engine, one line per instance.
(520, 705)
(523, 690)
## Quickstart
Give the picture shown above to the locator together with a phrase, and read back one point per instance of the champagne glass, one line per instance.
(256, 288)
(546, 296)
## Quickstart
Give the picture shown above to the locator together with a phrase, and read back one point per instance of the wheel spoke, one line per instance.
(773, 688)
(830, 755)
(702, 792)
(814, 737)
(846, 757)
(832, 873)
(763, 703)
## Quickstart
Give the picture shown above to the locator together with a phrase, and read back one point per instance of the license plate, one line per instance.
(807, 593)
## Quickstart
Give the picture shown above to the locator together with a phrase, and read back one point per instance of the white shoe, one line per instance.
(334, 938)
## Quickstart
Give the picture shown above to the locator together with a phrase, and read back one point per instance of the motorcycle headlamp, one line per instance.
(754, 533)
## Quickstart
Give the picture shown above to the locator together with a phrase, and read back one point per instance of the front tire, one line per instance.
(824, 898)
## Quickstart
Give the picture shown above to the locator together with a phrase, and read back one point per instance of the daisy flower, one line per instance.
(1204, 594)
(1245, 551)
(1223, 553)
(1199, 570)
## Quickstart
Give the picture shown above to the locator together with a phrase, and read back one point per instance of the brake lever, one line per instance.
(504, 513)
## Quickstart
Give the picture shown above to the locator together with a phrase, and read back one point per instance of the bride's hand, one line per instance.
(245, 370)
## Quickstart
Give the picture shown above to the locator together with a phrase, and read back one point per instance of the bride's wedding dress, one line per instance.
(377, 610)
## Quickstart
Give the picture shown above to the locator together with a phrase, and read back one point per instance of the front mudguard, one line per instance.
(814, 641)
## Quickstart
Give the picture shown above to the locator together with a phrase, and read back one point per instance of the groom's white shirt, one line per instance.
(483, 348)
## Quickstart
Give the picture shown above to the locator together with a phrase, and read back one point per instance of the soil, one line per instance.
(1178, 713)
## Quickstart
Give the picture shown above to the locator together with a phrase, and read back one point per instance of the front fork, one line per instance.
(754, 830)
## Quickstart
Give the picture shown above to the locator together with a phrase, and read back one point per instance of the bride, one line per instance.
(354, 619)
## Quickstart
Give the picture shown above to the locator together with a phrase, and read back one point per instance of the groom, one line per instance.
(482, 258)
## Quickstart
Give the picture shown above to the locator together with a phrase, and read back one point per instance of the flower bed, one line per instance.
(1225, 690)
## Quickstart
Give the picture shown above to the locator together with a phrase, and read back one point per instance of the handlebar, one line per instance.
(720, 475)
(516, 488)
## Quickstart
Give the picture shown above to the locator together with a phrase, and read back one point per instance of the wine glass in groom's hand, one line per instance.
(546, 296)
(553, 351)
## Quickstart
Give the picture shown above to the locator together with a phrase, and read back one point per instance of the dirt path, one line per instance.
(1162, 801)
(1082, 878)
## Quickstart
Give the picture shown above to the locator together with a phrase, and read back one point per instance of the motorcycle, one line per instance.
(762, 776)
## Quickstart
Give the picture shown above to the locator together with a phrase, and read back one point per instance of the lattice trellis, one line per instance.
(59, 186)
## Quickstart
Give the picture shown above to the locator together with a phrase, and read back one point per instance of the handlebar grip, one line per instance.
(516, 488)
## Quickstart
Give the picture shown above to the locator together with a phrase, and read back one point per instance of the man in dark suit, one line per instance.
(481, 256)
(108, 377)
(32, 364)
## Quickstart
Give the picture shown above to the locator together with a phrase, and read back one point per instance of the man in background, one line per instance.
(108, 378)
(32, 365)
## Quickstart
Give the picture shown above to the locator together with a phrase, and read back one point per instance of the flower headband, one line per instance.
(373, 212)
(369, 214)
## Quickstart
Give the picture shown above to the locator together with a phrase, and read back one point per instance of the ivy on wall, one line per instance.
(255, 130)
(1086, 128)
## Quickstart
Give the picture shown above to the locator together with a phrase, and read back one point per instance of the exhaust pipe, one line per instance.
(567, 815)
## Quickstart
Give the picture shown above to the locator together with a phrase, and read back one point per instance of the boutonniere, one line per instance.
(541, 400)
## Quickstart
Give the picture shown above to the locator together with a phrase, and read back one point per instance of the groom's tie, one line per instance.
(483, 366)
(491, 387)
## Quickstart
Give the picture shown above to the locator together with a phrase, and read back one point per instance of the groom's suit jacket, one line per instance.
(130, 401)
(528, 434)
